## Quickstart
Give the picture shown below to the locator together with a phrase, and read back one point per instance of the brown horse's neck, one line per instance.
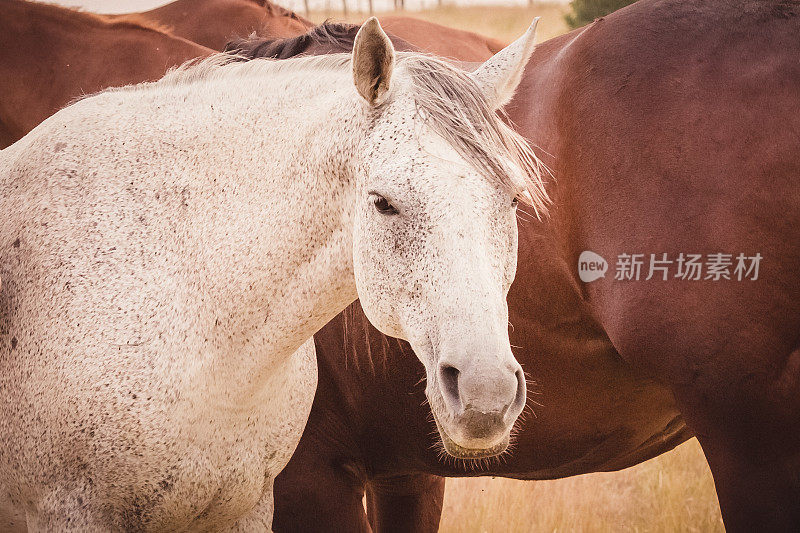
(213, 22)
(74, 18)
(85, 52)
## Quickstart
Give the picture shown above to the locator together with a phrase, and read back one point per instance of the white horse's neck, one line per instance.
(269, 203)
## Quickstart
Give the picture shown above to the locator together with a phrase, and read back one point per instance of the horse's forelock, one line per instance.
(455, 109)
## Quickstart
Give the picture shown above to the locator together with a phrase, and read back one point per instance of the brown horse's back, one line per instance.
(442, 40)
(213, 23)
(52, 55)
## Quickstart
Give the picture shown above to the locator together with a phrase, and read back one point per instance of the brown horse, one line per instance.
(51, 55)
(212, 23)
(671, 128)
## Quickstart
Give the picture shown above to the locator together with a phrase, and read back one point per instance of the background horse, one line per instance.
(213, 23)
(52, 55)
(628, 112)
(152, 309)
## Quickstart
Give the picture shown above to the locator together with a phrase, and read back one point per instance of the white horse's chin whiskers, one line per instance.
(473, 450)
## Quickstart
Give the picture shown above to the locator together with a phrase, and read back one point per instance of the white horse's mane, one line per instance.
(453, 106)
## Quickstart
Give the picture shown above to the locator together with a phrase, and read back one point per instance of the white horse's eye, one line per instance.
(515, 202)
(382, 204)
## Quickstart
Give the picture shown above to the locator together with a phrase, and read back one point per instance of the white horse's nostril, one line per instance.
(448, 382)
(482, 389)
(520, 398)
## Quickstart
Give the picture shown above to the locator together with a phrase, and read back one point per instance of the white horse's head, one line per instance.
(435, 230)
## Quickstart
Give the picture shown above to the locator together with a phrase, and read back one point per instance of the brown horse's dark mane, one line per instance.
(339, 36)
(333, 36)
(131, 20)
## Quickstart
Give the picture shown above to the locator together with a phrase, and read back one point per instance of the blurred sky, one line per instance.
(125, 6)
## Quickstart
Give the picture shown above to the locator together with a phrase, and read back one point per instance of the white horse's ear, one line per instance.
(499, 76)
(373, 62)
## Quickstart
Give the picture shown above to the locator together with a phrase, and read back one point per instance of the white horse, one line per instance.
(167, 249)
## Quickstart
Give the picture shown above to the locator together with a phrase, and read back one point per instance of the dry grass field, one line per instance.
(672, 493)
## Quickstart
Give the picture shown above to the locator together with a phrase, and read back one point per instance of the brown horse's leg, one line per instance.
(315, 493)
(406, 503)
(749, 428)
(756, 493)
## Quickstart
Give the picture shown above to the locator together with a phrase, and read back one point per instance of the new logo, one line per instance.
(591, 266)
